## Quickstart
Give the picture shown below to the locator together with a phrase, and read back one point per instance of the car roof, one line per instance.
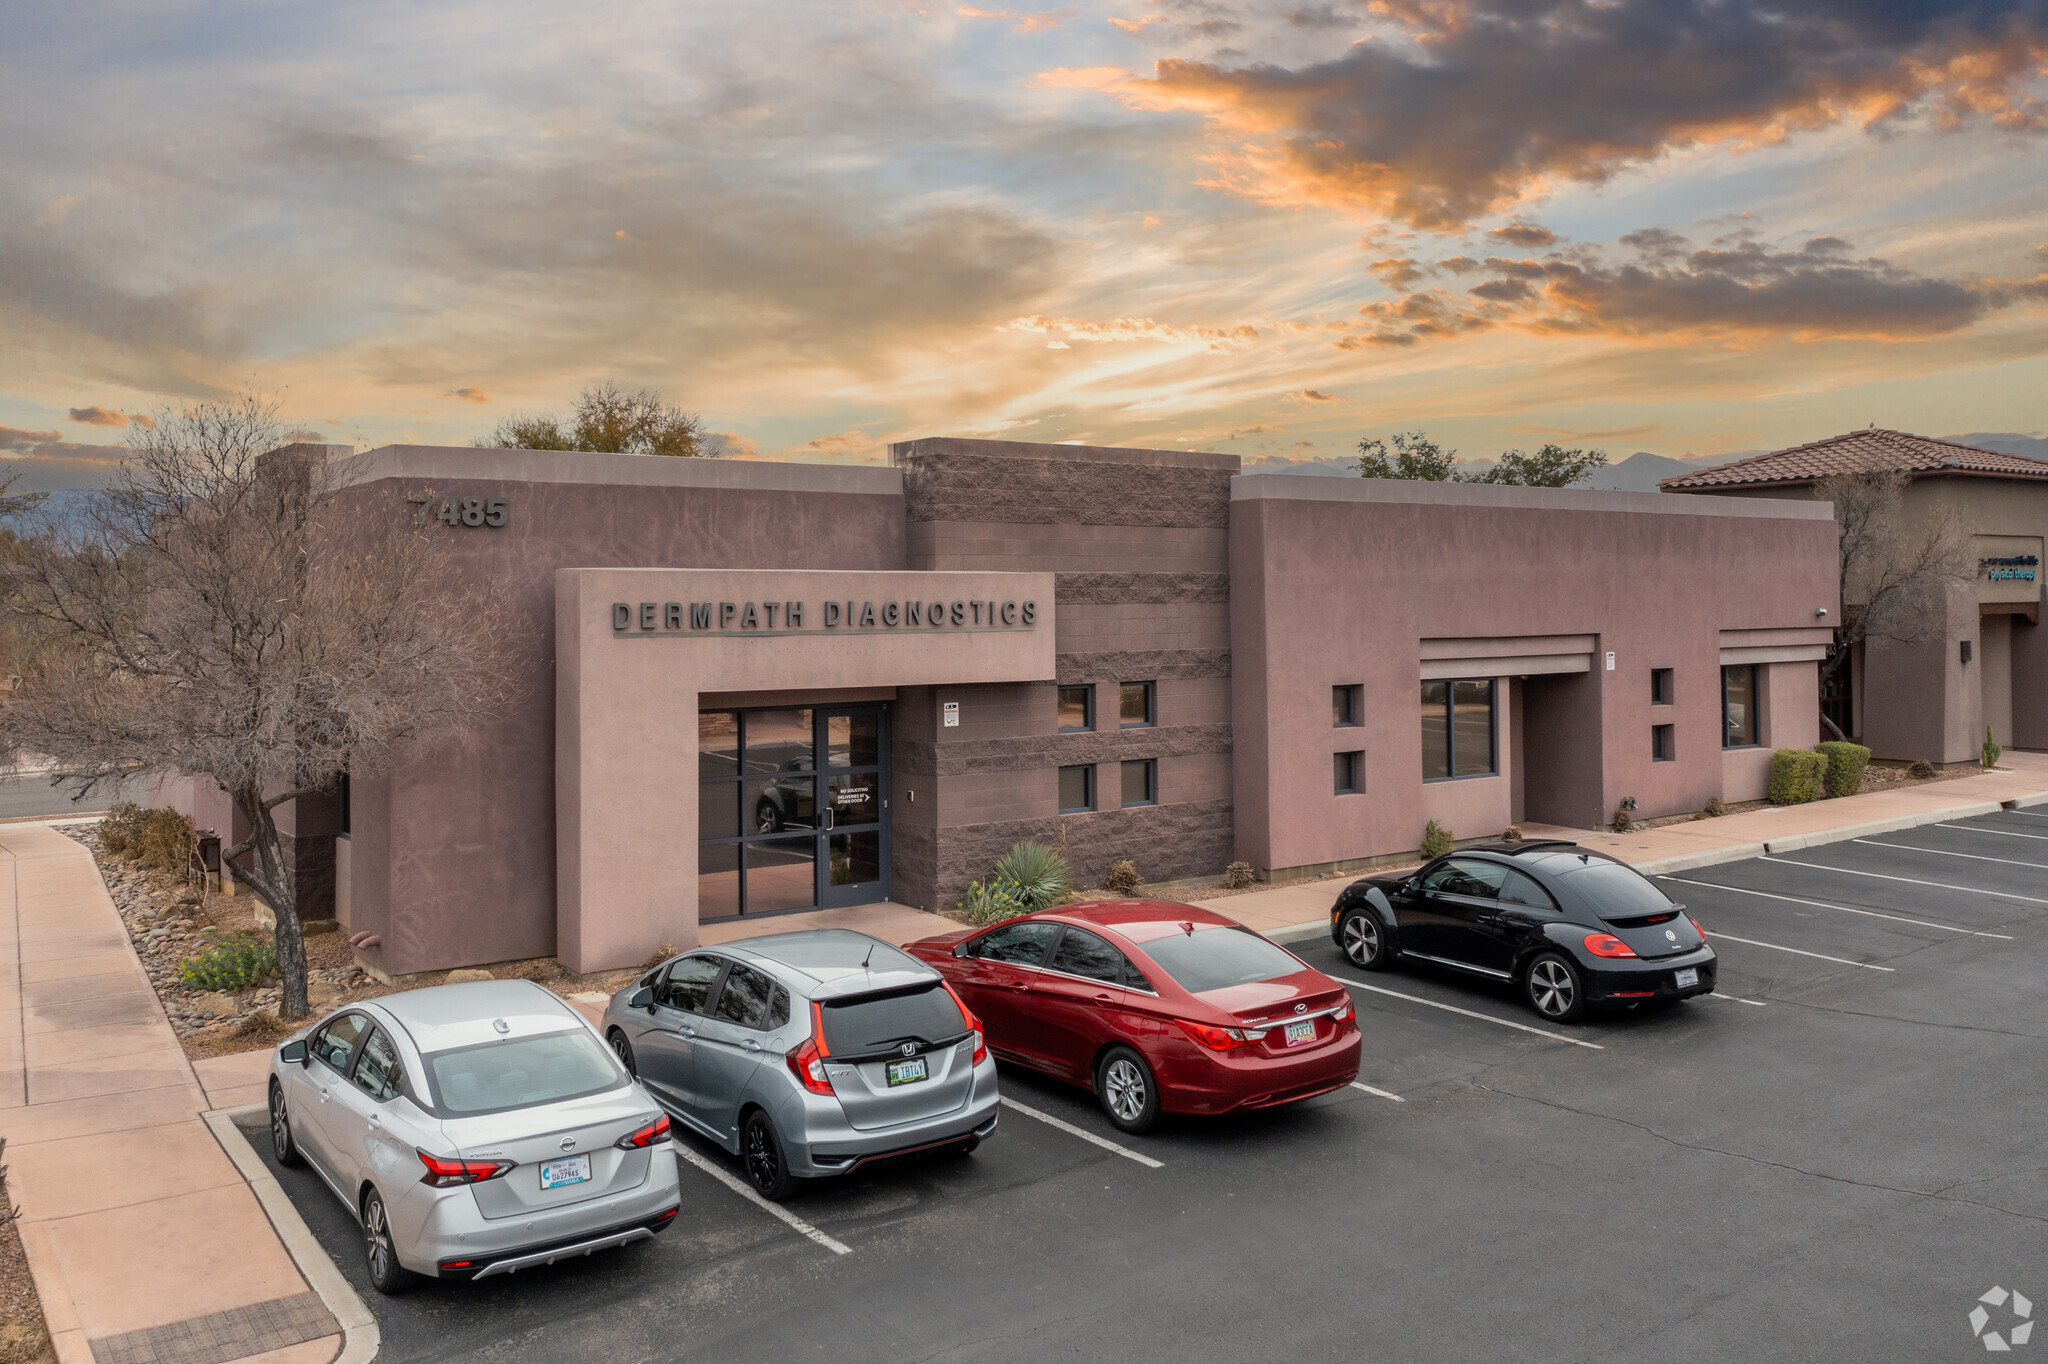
(1140, 920)
(1511, 847)
(832, 961)
(442, 1017)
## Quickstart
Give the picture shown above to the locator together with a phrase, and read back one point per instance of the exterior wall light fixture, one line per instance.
(1819, 611)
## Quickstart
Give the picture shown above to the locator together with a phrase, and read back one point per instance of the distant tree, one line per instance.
(13, 503)
(1552, 466)
(1896, 570)
(214, 613)
(1415, 455)
(606, 420)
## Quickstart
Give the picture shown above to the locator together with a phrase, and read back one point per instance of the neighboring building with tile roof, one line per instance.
(1990, 668)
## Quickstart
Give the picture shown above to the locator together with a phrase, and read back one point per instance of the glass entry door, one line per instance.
(792, 809)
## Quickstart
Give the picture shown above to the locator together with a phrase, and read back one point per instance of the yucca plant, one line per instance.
(1000, 898)
(1039, 873)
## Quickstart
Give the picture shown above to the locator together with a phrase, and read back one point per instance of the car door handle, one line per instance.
(751, 1045)
(376, 1121)
(1105, 998)
(689, 1032)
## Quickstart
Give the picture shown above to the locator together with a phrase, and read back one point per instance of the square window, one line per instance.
(1077, 789)
(1347, 767)
(1457, 729)
(1344, 706)
(1663, 743)
(1134, 706)
(1141, 786)
(1077, 709)
(1660, 686)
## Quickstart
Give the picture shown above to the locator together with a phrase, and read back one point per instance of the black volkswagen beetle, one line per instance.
(1573, 929)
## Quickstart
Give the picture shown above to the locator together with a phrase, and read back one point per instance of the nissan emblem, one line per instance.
(568, 1143)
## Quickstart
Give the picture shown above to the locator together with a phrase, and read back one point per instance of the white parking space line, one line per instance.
(739, 1186)
(1800, 952)
(1944, 852)
(2002, 833)
(1384, 1094)
(1909, 880)
(1846, 909)
(1454, 1009)
(1732, 999)
(1126, 1152)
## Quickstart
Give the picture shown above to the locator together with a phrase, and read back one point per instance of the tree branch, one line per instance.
(273, 802)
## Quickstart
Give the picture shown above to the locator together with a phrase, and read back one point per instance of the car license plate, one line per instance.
(555, 1173)
(1298, 1033)
(1689, 976)
(907, 1072)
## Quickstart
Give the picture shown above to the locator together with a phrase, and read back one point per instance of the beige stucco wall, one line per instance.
(626, 707)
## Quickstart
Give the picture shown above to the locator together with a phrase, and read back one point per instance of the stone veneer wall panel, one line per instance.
(1165, 842)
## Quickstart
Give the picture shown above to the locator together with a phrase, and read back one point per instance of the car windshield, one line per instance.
(1617, 892)
(521, 1072)
(1209, 959)
(867, 1023)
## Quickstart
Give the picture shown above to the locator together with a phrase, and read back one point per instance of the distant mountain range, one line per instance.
(2006, 443)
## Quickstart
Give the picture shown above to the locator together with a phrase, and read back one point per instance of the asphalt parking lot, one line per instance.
(1832, 1158)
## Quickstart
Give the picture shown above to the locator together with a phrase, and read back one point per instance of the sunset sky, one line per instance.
(1691, 228)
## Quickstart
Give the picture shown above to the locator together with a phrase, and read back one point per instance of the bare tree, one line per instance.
(607, 420)
(217, 612)
(1896, 569)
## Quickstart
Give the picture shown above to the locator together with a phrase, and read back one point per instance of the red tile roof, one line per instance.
(1858, 451)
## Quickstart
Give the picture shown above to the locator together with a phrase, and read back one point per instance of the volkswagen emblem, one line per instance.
(568, 1143)
(1669, 934)
(908, 1048)
(1301, 1008)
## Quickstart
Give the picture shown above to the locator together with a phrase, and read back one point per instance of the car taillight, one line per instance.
(807, 1062)
(653, 1134)
(1697, 926)
(973, 1024)
(1220, 1039)
(448, 1174)
(1607, 945)
(1341, 1012)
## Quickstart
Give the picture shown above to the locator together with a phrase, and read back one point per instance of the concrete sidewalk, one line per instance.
(145, 1242)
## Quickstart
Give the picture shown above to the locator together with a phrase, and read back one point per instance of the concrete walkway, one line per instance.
(145, 1242)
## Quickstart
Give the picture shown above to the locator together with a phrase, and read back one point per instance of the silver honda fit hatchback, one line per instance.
(474, 1130)
(808, 1054)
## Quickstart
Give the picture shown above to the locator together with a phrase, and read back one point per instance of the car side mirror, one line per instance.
(960, 948)
(293, 1053)
(642, 998)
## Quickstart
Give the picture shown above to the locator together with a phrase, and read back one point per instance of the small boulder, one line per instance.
(214, 1004)
(469, 974)
(321, 994)
(314, 928)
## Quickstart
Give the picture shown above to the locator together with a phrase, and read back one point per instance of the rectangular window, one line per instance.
(341, 800)
(1134, 708)
(1141, 784)
(1077, 789)
(1457, 729)
(1663, 743)
(1077, 709)
(1738, 707)
(1347, 766)
(1660, 686)
(1344, 706)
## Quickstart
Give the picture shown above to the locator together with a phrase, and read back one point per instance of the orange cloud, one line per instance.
(97, 416)
(1128, 329)
(970, 12)
(1310, 396)
(1078, 78)
(468, 395)
(1042, 22)
(1136, 25)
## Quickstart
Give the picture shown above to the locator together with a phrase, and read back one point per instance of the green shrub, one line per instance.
(1991, 748)
(164, 842)
(235, 963)
(1239, 876)
(1715, 808)
(119, 827)
(1846, 762)
(1796, 775)
(999, 898)
(1039, 873)
(1123, 879)
(1436, 839)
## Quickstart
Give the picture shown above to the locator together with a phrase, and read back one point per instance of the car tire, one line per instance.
(380, 1252)
(1363, 940)
(282, 1144)
(1127, 1091)
(761, 1151)
(767, 819)
(1554, 988)
(623, 1049)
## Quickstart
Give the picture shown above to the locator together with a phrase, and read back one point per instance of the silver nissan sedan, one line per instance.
(473, 1130)
(808, 1054)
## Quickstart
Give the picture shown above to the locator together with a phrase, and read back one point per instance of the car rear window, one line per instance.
(521, 1072)
(1617, 892)
(869, 1023)
(1210, 959)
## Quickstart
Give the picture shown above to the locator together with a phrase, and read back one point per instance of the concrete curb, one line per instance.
(359, 1335)
(1739, 852)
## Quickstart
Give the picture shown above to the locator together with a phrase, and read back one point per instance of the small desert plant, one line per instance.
(1436, 839)
(164, 842)
(1796, 776)
(1716, 807)
(662, 952)
(1039, 873)
(1123, 878)
(119, 827)
(1846, 762)
(1991, 748)
(1000, 898)
(1513, 833)
(1921, 770)
(238, 962)
(1239, 875)
(1622, 820)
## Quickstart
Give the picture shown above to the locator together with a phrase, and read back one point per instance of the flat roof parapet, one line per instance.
(903, 451)
(1323, 488)
(576, 466)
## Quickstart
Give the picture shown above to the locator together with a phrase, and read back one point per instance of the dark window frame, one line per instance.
(1347, 772)
(1450, 713)
(1087, 724)
(1151, 705)
(1151, 766)
(1663, 743)
(1347, 701)
(1663, 687)
(1756, 729)
(344, 811)
(1087, 771)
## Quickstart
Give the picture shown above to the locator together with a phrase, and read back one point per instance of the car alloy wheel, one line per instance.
(1554, 989)
(1365, 942)
(281, 1143)
(386, 1274)
(766, 1170)
(624, 1051)
(767, 819)
(1124, 1085)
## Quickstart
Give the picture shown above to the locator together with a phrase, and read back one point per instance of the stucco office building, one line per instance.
(753, 688)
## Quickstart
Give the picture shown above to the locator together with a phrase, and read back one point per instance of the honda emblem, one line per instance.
(909, 1049)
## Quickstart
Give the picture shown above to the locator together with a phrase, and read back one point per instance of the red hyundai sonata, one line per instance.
(1155, 1006)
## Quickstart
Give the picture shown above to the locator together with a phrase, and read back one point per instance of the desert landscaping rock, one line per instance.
(469, 975)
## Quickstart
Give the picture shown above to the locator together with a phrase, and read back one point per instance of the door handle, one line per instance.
(752, 1045)
(689, 1032)
(1019, 985)
(1105, 998)
(376, 1121)
(323, 1096)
